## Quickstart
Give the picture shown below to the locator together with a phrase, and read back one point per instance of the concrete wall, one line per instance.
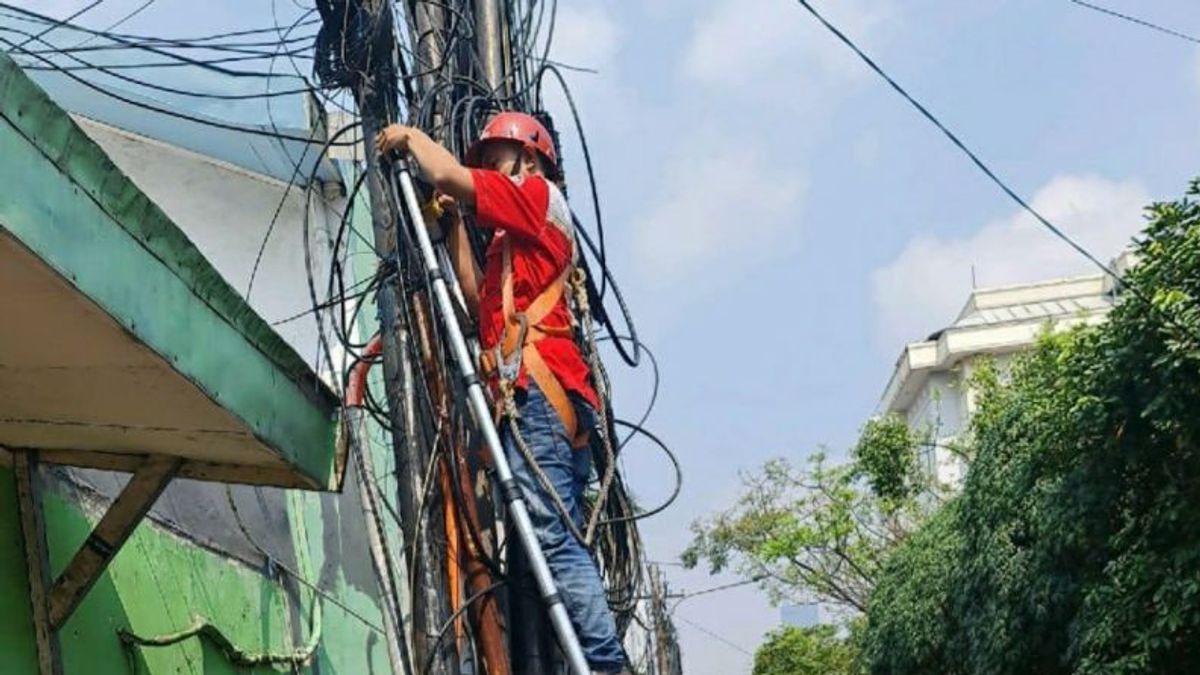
(227, 212)
(939, 406)
(940, 409)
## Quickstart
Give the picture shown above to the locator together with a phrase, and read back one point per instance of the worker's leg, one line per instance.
(574, 571)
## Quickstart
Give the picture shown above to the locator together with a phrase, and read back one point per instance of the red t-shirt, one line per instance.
(534, 215)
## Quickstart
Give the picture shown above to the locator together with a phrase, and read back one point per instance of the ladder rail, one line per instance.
(481, 411)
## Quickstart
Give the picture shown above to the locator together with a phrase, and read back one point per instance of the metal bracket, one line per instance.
(54, 603)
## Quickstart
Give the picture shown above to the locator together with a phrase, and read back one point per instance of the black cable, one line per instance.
(631, 359)
(150, 85)
(987, 171)
(715, 589)
(243, 48)
(602, 256)
(674, 463)
(433, 649)
(151, 38)
(451, 100)
(153, 65)
(283, 200)
(1135, 20)
(253, 131)
(55, 23)
(717, 636)
(276, 562)
(131, 45)
(140, 8)
(654, 388)
(369, 282)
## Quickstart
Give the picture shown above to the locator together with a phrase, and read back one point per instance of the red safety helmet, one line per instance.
(518, 127)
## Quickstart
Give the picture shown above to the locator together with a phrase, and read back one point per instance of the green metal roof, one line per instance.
(65, 201)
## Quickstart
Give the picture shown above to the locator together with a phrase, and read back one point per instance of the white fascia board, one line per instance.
(919, 359)
(912, 368)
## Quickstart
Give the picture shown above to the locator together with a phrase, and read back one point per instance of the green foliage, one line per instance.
(818, 531)
(816, 650)
(1073, 547)
(886, 455)
(909, 617)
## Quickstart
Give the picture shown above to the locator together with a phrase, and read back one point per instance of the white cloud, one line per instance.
(714, 216)
(585, 35)
(924, 287)
(742, 43)
(589, 34)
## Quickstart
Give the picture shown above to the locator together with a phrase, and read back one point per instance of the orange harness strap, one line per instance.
(522, 330)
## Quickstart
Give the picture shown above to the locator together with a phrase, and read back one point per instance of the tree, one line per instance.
(909, 617)
(820, 532)
(1073, 547)
(815, 650)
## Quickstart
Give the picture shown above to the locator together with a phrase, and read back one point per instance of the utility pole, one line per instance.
(429, 21)
(376, 95)
(658, 606)
(490, 44)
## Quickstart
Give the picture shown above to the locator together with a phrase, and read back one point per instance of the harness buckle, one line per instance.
(510, 369)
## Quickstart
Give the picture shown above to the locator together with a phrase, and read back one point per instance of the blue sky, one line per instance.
(782, 222)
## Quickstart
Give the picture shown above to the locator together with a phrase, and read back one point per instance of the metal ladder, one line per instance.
(480, 410)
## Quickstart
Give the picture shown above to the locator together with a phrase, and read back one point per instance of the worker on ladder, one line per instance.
(534, 366)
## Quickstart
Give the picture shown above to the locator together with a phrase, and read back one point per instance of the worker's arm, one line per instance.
(437, 164)
(461, 256)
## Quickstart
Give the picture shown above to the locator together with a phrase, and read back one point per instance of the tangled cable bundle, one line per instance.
(433, 78)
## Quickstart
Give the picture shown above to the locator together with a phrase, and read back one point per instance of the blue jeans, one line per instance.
(575, 573)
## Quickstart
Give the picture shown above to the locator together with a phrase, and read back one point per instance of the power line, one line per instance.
(120, 21)
(253, 131)
(715, 636)
(987, 171)
(715, 589)
(1135, 20)
(151, 45)
(59, 22)
(151, 85)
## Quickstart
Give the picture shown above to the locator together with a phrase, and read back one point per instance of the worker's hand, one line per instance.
(393, 137)
(449, 205)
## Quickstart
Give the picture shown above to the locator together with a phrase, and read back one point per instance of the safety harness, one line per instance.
(517, 347)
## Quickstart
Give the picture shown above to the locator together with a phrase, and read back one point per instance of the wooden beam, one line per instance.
(37, 561)
(284, 477)
(110, 534)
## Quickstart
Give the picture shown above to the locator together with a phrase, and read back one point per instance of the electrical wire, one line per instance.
(958, 143)
(151, 85)
(991, 175)
(442, 90)
(441, 632)
(1135, 20)
(138, 10)
(642, 515)
(716, 636)
(61, 22)
(252, 131)
(150, 46)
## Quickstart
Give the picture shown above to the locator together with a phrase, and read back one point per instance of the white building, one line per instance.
(805, 615)
(929, 386)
